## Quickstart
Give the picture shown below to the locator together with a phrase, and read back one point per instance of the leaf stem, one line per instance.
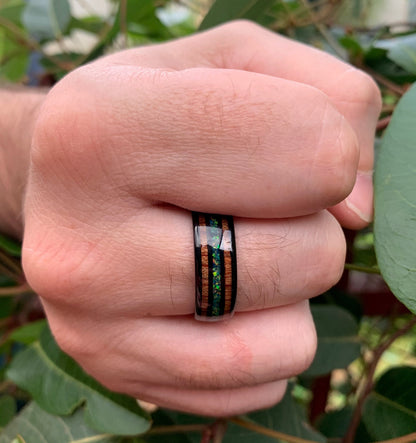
(30, 43)
(15, 290)
(369, 383)
(6, 272)
(400, 90)
(383, 123)
(10, 263)
(323, 30)
(366, 269)
(267, 431)
(219, 428)
(5, 385)
(177, 429)
(123, 23)
(404, 439)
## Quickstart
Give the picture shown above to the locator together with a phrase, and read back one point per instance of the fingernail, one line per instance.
(360, 201)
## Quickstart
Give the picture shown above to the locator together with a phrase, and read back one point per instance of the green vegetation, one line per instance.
(361, 386)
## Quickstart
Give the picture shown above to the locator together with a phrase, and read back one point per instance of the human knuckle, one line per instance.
(305, 352)
(275, 395)
(215, 378)
(227, 403)
(68, 343)
(73, 342)
(39, 271)
(198, 376)
(222, 408)
(337, 156)
(361, 88)
(232, 367)
(335, 257)
(331, 251)
(55, 273)
(52, 129)
(66, 128)
(241, 26)
(237, 357)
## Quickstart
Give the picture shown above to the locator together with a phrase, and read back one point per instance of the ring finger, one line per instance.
(279, 262)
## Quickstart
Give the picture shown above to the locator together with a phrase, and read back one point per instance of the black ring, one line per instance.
(215, 266)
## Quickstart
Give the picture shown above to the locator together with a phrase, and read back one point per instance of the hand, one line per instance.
(236, 120)
(17, 121)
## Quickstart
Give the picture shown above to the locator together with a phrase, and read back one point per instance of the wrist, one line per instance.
(17, 122)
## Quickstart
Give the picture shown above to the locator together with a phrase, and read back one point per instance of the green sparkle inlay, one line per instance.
(216, 268)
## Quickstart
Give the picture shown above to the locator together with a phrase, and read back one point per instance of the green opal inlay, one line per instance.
(216, 267)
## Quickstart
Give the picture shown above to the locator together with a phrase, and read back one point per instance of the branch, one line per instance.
(210, 431)
(266, 431)
(384, 81)
(378, 28)
(8, 273)
(123, 22)
(6, 384)
(383, 123)
(366, 269)
(31, 44)
(323, 30)
(15, 290)
(177, 429)
(219, 429)
(8, 262)
(409, 438)
(369, 384)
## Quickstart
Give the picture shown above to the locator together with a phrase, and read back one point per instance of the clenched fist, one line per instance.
(238, 121)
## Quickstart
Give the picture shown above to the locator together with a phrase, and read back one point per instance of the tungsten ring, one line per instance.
(215, 266)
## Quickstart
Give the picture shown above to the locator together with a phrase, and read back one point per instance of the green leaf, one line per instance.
(363, 249)
(352, 45)
(334, 424)
(395, 202)
(401, 50)
(28, 333)
(239, 434)
(34, 425)
(12, 247)
(46, 19)
(225, 10)
(338, 342)
(6, 306)
(144, 21)
(11, 10)
(106, 39)
(390, 410)
(7, 409)
(60, 386)
(14, 60)
(15, 69)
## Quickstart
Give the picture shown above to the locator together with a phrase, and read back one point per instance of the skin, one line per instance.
(273, 132)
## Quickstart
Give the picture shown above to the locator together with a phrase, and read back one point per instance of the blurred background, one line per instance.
(41, 40)
(364, 331)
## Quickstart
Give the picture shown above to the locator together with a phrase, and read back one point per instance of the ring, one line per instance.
(215, 266)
